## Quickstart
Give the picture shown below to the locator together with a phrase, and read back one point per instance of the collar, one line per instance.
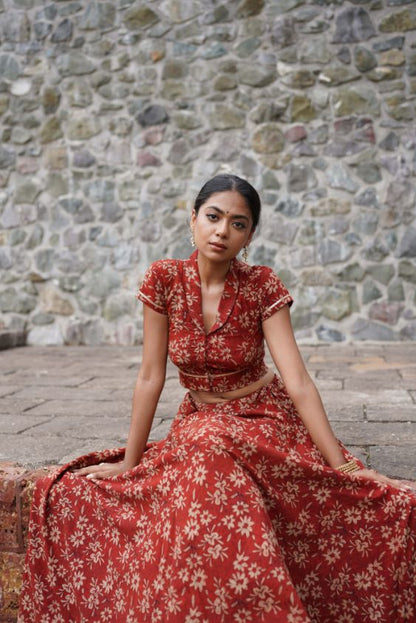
(192, 287)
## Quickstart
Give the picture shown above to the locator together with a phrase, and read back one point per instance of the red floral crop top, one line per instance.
(231, 354)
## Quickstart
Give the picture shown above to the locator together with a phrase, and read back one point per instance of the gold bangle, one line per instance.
(349, 468)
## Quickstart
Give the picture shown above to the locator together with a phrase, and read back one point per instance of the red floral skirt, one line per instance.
(233, 518)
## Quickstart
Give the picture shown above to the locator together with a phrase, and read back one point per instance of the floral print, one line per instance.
(233, 518)
(231, 354)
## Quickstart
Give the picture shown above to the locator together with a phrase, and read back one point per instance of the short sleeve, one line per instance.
(274, 294)
(152, 290)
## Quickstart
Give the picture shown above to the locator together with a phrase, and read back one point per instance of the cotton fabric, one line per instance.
(234, 517)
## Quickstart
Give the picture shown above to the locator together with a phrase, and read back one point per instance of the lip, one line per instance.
(218, 245)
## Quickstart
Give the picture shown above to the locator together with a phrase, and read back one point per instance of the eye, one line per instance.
(212, 216)
(239, 225)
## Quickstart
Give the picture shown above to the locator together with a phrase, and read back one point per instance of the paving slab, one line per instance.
(57, 403)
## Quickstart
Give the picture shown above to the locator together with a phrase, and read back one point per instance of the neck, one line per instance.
(212, 273)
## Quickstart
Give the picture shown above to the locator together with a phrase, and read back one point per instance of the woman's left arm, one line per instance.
(282, 345)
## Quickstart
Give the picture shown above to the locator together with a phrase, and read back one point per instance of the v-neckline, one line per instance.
(193, 290)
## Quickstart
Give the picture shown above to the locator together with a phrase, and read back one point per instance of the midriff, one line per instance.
(215, 397)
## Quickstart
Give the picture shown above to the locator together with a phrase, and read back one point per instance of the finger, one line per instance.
(89, 468)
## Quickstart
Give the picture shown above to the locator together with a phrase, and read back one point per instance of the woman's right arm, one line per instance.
(149, 385)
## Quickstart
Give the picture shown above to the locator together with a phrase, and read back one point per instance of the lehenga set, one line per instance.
(235, 517)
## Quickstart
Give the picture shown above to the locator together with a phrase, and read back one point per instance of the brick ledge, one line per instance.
(16, 486)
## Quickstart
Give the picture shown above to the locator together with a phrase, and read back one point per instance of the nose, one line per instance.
(222, 228)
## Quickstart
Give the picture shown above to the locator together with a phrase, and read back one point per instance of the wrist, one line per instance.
(349, 467)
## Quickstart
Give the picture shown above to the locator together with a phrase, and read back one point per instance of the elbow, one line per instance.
(299, 388)
(152, 379)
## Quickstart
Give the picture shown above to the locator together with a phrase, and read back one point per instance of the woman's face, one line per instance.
(223, 226)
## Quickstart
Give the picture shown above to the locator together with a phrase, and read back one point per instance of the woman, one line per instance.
(250, 510)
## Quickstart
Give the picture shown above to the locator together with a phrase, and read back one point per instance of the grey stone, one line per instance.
(311, 232)
(389, 44)
(408, 332)
(390, 142)
(6, 261)
(407, 244)
(111, 212)
(51, 98)
(283, 33)
(7, 157)
(42, 319)
(336, 304)
(140, 17)
(16, 26)
(63, 31)
(328, 334)
(42, 30)
(249, 8)
(75, 63)
(289, 206)
(330, 251)
(81, 213)
(363, 329)
(407, 271)
(152, 115)
(99, 15)
(51, 130)
(369, 172)
(27, 191)
(352, 272)
(269, 111)
(49, 12)
(83, 159)
(344, 55)
(119, 305)
(383, 273)
(302, 109)
(401, 21)
(368, 198)
(279, 230)
(353, 24)
(314, 51)
(83, 128)
(338, 176)
(375, 251)
(36, 237)
(364, 59)
(319, 135)
(49, 335)
(256, 76)
(100, 190)
(102, 284)
(80, 93)
(300, 178)
(395, 291)
(355, 100)
(341, 148)
(270, 180)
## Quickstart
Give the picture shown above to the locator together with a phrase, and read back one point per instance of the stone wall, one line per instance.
(114, 113)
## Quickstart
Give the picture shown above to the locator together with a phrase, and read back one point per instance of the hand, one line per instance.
(371, 474)
(101, 470)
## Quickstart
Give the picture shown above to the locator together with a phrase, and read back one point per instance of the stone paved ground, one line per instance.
(59, 402)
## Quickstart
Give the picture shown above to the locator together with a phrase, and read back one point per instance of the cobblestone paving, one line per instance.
(60, 402)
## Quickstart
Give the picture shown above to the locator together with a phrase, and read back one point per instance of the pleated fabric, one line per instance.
(234, 517)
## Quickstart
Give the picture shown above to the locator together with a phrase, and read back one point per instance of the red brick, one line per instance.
(11, 569)
(10, 534)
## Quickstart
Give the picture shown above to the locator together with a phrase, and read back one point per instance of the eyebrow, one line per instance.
(243, 216)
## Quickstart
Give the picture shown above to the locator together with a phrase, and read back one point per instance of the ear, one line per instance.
(193, 218)
(250, 237)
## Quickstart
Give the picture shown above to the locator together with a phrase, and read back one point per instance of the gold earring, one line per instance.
(245, 254)
(192, 239)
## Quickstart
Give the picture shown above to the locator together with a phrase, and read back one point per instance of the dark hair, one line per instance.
(226, 181)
